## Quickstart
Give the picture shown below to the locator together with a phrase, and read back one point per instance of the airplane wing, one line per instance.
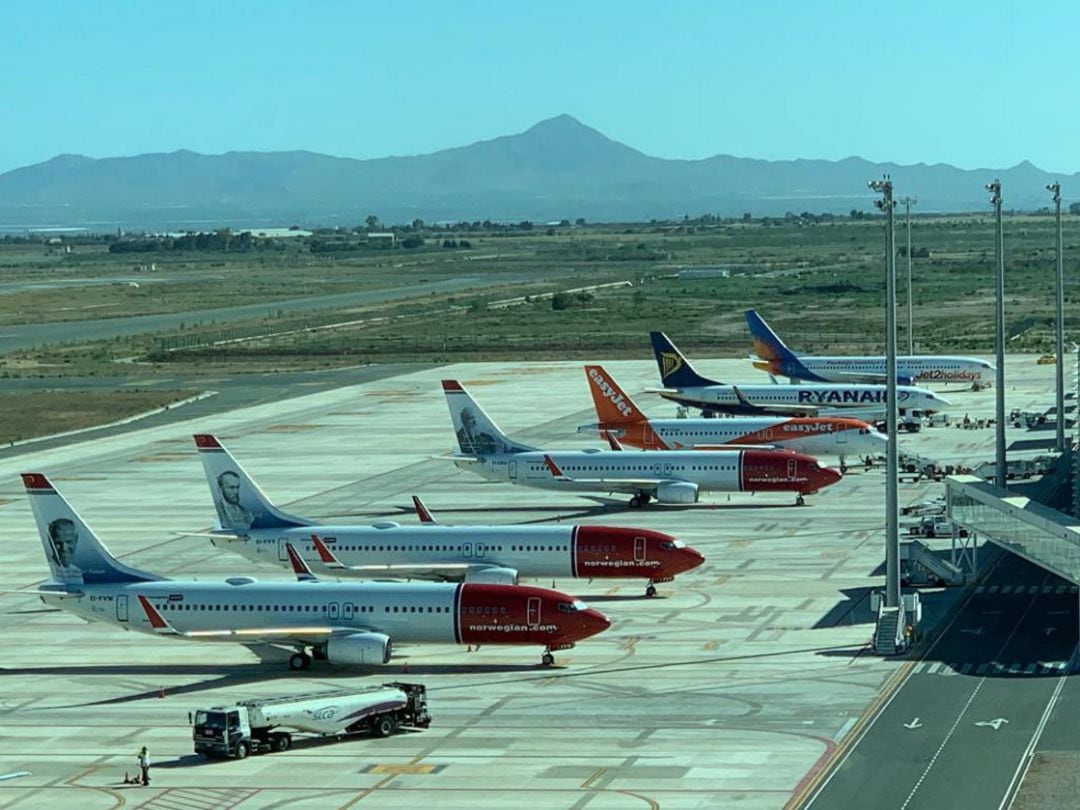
(795, 410)
(614, 443)
(613, 484)
(309, 634)
(869, 377)
(43, 592)
(437, 571)
(216, 535)
(469, 459)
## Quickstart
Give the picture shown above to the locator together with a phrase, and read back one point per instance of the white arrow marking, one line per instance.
(914, 724)
(994, 724)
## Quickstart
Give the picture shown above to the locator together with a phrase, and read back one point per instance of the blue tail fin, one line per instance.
(767, 344)
(675, 370)
(239, 502)
(72, 550)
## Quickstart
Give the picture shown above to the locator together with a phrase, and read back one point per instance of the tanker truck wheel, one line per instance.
(383, 726)
(282, 742)
(243, 748)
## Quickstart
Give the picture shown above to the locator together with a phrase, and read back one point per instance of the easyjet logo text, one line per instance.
(610, 393)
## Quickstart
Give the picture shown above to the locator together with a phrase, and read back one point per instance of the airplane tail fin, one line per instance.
(239, 502)
(767, 344)
(477, 435)
(74, 553)
(675, 370)
(613, 405)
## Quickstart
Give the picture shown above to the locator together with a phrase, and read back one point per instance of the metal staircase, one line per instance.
(889, 638)
(918, 558)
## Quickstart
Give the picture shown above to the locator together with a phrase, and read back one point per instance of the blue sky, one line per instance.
(975, 84)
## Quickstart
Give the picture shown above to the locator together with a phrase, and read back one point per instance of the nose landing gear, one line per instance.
(800, 500)
(650, 590)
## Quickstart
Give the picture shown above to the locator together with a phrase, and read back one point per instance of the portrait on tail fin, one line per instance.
(231, 512)
(63, 542)
(473, 440)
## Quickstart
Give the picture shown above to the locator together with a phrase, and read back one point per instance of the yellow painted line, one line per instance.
(400, 769)
(595, 775)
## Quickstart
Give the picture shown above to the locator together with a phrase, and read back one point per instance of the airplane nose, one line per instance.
(828, 476)
(593, 622)
(689, 558)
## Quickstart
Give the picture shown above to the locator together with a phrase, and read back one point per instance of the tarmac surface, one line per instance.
(745, 683)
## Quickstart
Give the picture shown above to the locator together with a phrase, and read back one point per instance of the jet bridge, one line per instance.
(1039, 534)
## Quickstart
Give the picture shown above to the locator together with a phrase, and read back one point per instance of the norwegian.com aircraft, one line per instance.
(682, 384)
(815, 435)
(348, 623)
(252, 526)
(780, 361)
(669, 476)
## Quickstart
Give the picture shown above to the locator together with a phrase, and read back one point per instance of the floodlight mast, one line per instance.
(892, 516)
(1059, 368)
(908, 202)
(999, 249)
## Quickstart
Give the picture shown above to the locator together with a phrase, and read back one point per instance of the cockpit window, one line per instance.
(671, 545)
(573, 607)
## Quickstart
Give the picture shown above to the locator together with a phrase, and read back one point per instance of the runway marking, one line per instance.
(995, 724)
(914, 724)
(1029, 752)
(14, 775)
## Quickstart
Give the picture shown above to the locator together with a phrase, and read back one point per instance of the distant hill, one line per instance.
(558, 169)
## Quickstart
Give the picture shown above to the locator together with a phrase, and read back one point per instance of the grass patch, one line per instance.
(43, 413)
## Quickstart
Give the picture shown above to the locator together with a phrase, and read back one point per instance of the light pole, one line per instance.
(908, 202)
(999, 248)
(1059, 368)
(892, 517)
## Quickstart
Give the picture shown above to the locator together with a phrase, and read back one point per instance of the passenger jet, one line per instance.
(777, 359)
(684, 385)
(814, 435)
(669, 476)
(252, 526)
(344, 623)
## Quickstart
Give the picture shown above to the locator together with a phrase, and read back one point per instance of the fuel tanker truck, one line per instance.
(267, 724)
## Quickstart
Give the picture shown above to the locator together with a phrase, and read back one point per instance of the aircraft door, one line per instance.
(466, 549)
(533, 611)
(347, 611)
(656, 469)
(791, 468)
(122, 608)
(333, 610)
(639, 549)
(511, 468)
(481, 549)
(667, 469)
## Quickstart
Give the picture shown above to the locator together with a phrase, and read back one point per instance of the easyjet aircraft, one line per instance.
(669, 476)
(814, 435)
(344, 623)
(684, 385)
(252, 526)
(777, 359)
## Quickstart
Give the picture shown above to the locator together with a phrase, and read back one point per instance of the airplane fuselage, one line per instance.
(815, 436)
(407, 613)
(919, 369)
(708, 471)
(824, 397)
(529, 551)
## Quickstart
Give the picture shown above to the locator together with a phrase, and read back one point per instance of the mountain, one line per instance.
(558, 169)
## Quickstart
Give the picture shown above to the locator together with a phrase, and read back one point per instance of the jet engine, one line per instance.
(493, 576)
(359, 648)
(677, 492)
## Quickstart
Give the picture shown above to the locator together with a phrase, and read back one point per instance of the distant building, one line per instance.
(381, 239)
(704, 272)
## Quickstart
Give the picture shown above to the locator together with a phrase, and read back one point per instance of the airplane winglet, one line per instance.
(158, 622)
(300, 568)
(422, 511)
(611, 440)
(553, 467)
(329, 559)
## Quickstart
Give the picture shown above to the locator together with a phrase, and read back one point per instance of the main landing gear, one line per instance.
(639, 500)
(843, 466)
(800, 500)
(650, 590)
(547, 659)
(300, 660)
